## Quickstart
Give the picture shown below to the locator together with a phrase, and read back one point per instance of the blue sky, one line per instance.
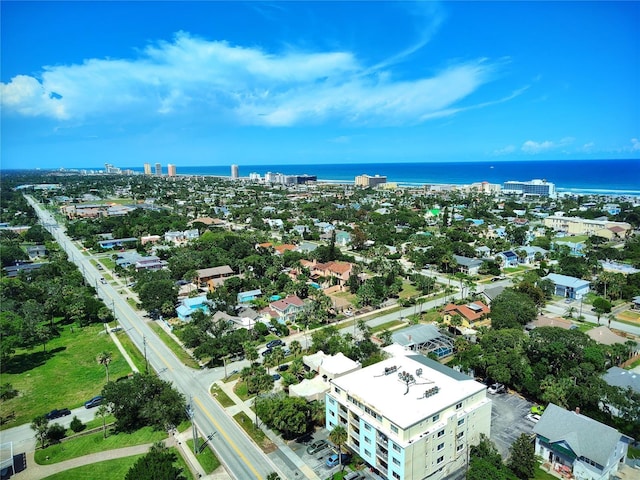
(216, 83)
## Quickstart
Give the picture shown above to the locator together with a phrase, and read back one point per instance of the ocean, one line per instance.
(620, 177)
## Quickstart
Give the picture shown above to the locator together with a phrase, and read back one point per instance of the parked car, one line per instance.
(533, 417)
(267, 352)
(103, 281)
(283, 368)
(332, 461)
(354, 476)
(94, 402)
(496, 388)
(53, 414)
(317, 446)
(116, 329)
(275, 376)
(275, 343)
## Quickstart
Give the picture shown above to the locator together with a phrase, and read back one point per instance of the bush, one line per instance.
(77, 425)
(56, 433)
(7, 391)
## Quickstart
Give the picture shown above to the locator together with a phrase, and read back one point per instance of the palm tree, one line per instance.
(273, 476)
(104, 358)
(338, 436)
(295, 347)
(102, 412)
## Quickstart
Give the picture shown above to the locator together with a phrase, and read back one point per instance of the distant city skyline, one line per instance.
(84, 84)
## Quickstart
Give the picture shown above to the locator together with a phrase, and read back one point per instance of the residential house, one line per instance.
(424, 339)
(36, 251)
(280, 249)
(483, 251)
(336, 273)
(473, 315)
(343, 238)
(181, 237)
(117, 242)
(469, 266)
(287, 308)
(150, 263)
(15, 270)
(531, 253)
(215, 275)
(189, 306)
(636, 302)
(330, 367)
(582, 226)
(574, 444)
(509, 258)
(249, 296)
(568, 287)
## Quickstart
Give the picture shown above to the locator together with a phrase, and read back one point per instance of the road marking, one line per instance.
(227, 438)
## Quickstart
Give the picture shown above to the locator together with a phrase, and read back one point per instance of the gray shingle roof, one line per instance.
(586, 437)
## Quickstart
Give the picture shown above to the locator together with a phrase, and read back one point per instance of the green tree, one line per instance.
(295, 347)
(40, 425)
(512, 309)
(338, 436)
(56, 433)
(250, 352)
(158, 464)
(162, 405)
(600, 307)
(522, 458)
(76, 425)
(485, 462)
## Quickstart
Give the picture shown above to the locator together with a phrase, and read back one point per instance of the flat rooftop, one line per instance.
(431, 388)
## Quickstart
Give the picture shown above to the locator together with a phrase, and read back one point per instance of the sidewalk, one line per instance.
(240, 405)
(124, 353)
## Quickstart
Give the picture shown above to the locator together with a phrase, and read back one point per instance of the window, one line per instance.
(459, 406)
(395, 447)
(396, 461)
(459, 447)
(367, 426)
(440, 459)
(332, 401)
(367, 439)
(461, 421)
(460, 435)
(436, 417)
(337, 390)
(394, 429)
(441, 446)
(441, 433)
(396, 475)
(332, 413)
(367, 453)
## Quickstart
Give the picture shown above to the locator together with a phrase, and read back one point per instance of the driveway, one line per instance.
(508, 420)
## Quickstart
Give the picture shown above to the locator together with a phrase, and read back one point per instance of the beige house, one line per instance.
(583, 226)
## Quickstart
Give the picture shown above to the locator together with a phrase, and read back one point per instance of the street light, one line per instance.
(146, 361)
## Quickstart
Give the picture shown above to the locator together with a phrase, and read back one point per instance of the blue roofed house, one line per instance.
(531, 254)
(189, 306)
(573, 444)
(249, 296)
(568, 287)
(509, 258)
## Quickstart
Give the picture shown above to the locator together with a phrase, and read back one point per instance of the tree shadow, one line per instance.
(24, 362)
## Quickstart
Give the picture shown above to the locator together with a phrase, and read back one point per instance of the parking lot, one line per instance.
(508, 420)
(318, 461)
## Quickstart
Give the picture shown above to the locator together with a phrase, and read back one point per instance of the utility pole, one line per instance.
(191, 414)
(146, 362)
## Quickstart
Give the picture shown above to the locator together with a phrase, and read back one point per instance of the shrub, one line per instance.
(77, 425)
(56, 433)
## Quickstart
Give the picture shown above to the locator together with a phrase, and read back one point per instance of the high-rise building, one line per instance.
(409, 417)
(368, 181)
(532, 187)
(234, 172)
(171, 170)
(108, 168)
(147, 169)
(158, 169)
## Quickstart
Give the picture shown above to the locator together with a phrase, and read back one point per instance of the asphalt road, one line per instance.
(242, 458)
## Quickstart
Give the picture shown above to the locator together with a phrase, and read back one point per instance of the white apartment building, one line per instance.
(584, 226)
(410, 417)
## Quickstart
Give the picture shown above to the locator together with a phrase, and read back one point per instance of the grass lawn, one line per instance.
(241, 390)
(634, 452)
(542, 475)
(107, 470)
(176, 348)
(37, 375)
(256, 434)
(408, 290)
(206, 458)
(136, 355)
(222, 398)
(571, 239)
(386, 326)
(94, 443)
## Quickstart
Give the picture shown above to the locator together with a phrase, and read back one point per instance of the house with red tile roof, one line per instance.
(473, 315)
(329, 271)
(286, 308)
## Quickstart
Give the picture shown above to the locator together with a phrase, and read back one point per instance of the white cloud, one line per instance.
(247, 85)
(505, 150)
(533, 147)
(635, 145)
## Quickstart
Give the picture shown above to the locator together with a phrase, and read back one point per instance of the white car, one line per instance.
(533, 417)
(496, 388)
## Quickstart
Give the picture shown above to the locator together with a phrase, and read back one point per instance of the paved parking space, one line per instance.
(508, 420)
